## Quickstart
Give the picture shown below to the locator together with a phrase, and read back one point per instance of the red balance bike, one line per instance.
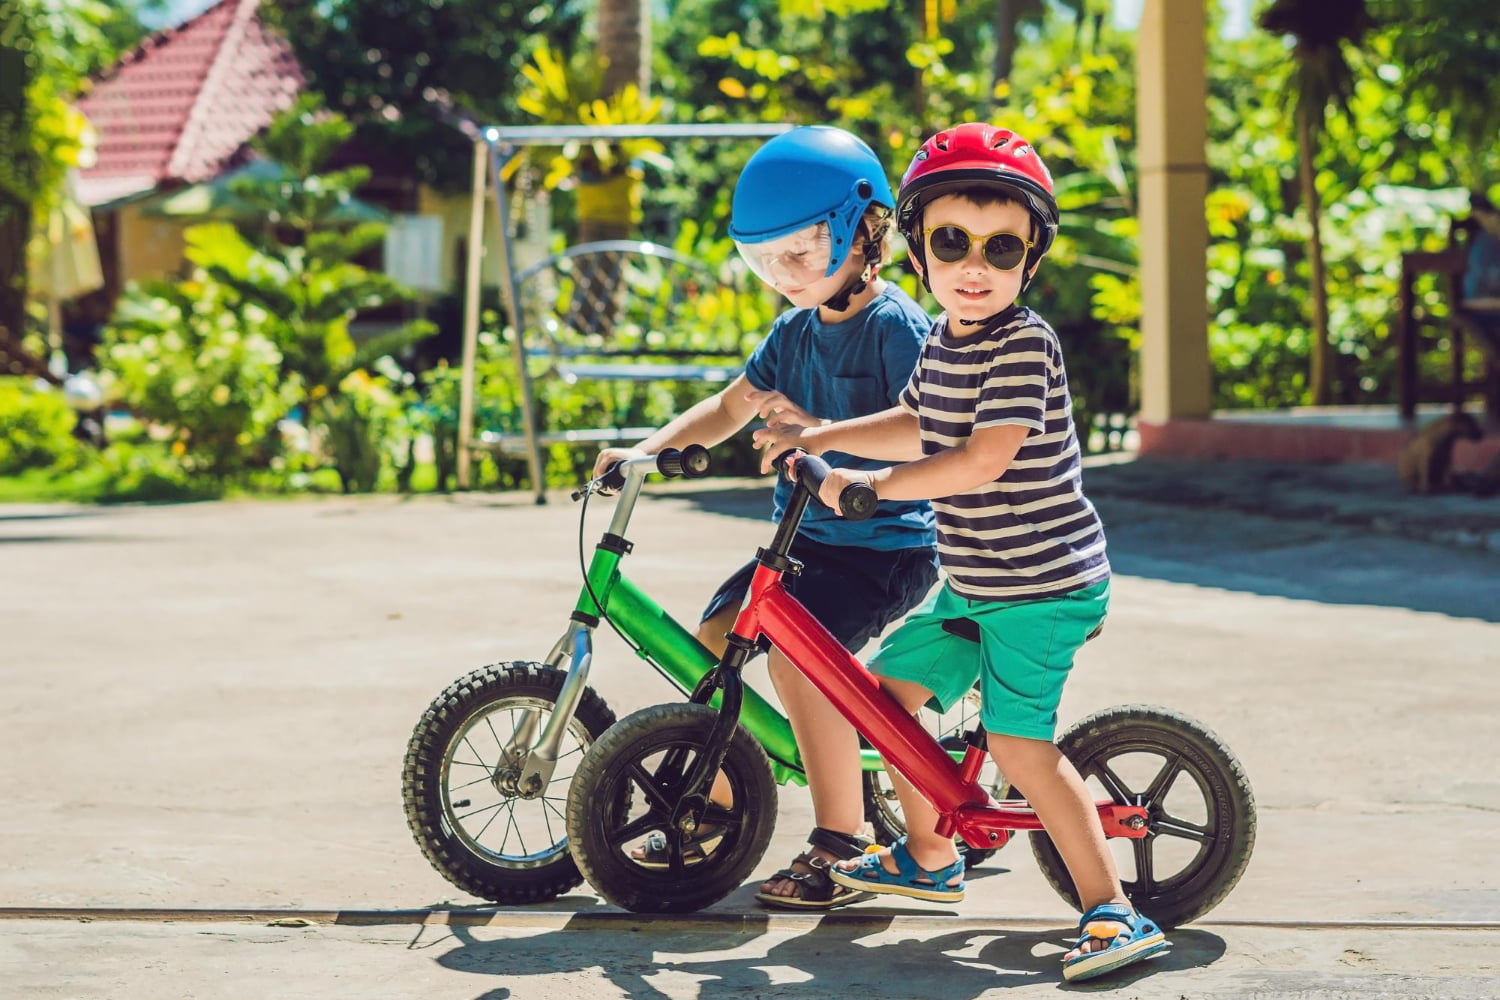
(1166, 786)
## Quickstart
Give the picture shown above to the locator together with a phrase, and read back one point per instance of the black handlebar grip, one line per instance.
(669, 463)
(614, 477)
(695, 461)
(857, 501)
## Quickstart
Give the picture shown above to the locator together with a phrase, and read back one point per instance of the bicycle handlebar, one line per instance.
(691, 462)
(856, 501)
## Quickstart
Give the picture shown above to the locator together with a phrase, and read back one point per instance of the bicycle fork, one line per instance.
(528, 760)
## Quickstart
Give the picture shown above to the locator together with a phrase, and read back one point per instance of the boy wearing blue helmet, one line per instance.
(811, 216)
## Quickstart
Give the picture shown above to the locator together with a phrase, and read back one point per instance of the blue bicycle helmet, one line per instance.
(812, 174)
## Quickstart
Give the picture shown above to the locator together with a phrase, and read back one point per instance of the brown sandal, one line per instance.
(815, 890)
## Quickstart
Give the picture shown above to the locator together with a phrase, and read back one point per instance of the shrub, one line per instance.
(36, 429)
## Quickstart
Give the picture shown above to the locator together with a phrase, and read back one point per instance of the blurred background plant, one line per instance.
(261, 331)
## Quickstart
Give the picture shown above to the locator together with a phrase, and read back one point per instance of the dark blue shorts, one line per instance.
(855, 592)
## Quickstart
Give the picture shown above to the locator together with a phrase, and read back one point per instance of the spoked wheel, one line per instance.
(620, 813)
(1201, 811)
(474, 822)
(883, 809)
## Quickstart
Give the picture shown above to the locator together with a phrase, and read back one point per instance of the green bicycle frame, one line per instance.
(678, 655)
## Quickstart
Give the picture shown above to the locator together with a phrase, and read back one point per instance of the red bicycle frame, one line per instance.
(772, 614)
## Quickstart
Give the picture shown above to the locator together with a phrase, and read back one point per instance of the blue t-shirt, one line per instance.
(843, 370)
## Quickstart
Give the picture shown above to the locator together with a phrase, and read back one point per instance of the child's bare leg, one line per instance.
(830, 754)
(928, 848)
(1054, 788)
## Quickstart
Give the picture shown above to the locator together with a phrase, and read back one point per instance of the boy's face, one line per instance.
(808, 289)
(796, 265)
(972, 288)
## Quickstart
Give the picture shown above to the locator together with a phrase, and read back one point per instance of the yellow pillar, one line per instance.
(1172, 124)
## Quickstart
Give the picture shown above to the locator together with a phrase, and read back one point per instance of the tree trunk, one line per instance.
(1318, 374)
(625, 44)
(15, 233)
(605, 209)
(1008, 14)
(15, 217)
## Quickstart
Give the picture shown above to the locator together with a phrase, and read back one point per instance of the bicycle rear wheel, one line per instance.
(1200, 809)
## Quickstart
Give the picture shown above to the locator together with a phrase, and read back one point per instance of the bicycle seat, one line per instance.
(968, 628)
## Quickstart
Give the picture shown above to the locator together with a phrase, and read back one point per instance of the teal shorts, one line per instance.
(1024, 654)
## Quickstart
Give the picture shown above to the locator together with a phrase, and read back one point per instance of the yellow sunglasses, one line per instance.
(1002, 251)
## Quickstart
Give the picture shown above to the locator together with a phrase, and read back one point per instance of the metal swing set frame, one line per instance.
(495, 146)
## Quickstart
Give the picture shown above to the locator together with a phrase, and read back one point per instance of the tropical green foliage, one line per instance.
(36, 429)
(46, 48)
(263, 326)
(1447, 53)
(400, 71)
(202, 366)
(1415, 129)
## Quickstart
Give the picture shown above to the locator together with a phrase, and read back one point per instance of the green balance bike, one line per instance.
(487, 771)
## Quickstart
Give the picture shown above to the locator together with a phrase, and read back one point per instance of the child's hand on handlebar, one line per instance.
(609, 456)
(837, 481)
(774, 439)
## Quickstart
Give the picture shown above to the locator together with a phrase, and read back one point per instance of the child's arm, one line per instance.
(983, 458)
(706, 422)
(891, 435)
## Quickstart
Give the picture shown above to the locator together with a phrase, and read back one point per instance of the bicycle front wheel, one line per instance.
(623, 801)
(464, 806)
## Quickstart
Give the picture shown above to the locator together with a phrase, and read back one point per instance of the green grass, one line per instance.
(97, 484)
(87, 485)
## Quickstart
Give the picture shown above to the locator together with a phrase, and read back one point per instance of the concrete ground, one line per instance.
(206, 707)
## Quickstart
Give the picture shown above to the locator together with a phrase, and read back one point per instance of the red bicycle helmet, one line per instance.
(972, 155)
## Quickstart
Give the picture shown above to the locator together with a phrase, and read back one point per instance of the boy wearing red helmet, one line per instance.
(985, 431)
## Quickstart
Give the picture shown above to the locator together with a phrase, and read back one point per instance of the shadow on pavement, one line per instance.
(1302, 558)
(43, 515)
(48, 539)
(866, 958)
(750, 502)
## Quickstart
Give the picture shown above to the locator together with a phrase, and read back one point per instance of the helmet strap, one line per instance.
(839, 301)
(992, 323)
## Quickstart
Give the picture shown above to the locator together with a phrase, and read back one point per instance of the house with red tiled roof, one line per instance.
(178, 110)
(181, 109)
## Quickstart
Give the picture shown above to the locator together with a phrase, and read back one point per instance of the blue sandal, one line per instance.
(911, 879)
(1130, 937)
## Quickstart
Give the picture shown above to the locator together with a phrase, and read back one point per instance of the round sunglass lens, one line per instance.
(948, 243)
(1004, 251)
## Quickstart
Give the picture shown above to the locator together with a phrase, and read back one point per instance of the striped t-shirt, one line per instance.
(1031, 533)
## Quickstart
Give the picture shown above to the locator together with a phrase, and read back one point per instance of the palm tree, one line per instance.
(16, 192)
(1320, 29)
(1449, 54)
(624, 49)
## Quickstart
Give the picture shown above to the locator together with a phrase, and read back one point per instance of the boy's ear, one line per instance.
(916, 262)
